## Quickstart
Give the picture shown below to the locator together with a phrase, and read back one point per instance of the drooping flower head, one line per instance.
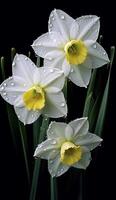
(34, 91)
(67, 145)
(71, 46)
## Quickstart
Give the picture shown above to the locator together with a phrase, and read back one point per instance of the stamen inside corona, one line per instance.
(75, 52)
(70, 153)
(34, 98)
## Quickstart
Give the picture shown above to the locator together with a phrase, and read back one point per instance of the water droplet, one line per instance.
(94, 46)
(12, 84)
(62, 104)
(72, 70)
(2, 88)
(44, 70)
(53, 142)
(49, 58)
(45, 149)
(13, 64)
(50, 25)
(50, 30)
(104, 53)
(52, 15)
(4, 93)
(19, 116)
(51, 70)
(26, 58)
(62, 16)
(7, 98)
(10, 78)
(46, 119)
(32, 115)
(39, 44)
(53, 18)
(52, 132)
(5, 84)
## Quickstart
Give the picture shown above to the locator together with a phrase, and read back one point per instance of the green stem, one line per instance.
(53, 188)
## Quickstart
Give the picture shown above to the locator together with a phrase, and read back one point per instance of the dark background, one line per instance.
(20, 24)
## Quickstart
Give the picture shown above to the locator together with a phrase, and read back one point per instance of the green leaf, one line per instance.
(103, 107)
(13, 52)
(94, 113)
(23, 135)
(2, 63)
(36, 171)
(89, 97)
(88, 104)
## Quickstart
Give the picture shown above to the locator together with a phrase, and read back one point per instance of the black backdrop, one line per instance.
(20, 24)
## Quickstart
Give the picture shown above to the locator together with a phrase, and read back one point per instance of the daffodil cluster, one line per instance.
(70, 50)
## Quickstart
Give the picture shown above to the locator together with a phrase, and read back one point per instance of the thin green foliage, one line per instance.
(36, 171)
(103, 107)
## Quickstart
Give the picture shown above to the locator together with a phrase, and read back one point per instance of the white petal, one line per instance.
(54, 54)
(51, 77)
(56, 62)
(44, 149)
(56, 130)
(26, 116)
(52, 89)
(57, 39)
(74, 30)
(68, 132)
(89, 26)
(12, 89)
(24, 67)
(55, 105)
(97, 55)
(61, 23)
(36, 76)
(84, 162)
(80, 75)
(80, 126)
(66, 68)
(89, 140)
(18, 102)
(55, 167)
(43, 45)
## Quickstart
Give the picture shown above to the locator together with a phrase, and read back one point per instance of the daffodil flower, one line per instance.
(71, 46)
(67, 145)
(34, 91)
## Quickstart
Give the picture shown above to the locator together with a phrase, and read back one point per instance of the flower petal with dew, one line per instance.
(34, 91)
(67, 145)
(72, 42)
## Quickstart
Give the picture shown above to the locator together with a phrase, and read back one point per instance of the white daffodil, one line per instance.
(71, 46)
(67, 145)
(34, 91)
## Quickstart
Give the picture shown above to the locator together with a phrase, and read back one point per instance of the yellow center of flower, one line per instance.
(34, 98)
(70, 153)
(75, 52)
